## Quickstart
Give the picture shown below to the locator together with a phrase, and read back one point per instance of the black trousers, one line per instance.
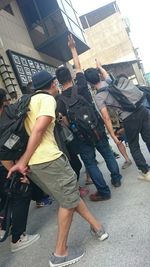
(75, 164)
(36, 193)
(3, 175)
(73, 158)
(19, 216)
(138, 123)
(20, 206)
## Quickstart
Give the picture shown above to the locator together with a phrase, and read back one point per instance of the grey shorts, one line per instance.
(57, 178)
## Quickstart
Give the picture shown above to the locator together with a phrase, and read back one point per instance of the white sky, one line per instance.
(138, 13)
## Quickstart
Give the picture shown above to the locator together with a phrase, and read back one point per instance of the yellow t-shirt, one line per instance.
(40, 105)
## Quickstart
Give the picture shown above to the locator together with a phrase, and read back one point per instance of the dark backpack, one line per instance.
(13, 136)
(146, 91)
(118, 89)
(82, 118)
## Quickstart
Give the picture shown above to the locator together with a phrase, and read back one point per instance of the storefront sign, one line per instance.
(24, 67)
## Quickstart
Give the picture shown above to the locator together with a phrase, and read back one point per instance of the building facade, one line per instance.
(108, 36)
(33, 36)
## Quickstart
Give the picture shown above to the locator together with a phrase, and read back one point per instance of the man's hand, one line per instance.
(18, 167)
(98, 64)
(24, 180)
(71, 41)
(116, 140)
(102, 71)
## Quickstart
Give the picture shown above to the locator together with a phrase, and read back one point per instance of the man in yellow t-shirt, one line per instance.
(48, 149)
(50, 169)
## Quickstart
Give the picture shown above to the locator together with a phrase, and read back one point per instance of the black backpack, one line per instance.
(146, 91)
(82, 118)
(13, 136)
(118, 89)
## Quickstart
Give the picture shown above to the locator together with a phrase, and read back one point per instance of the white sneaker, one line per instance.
(24, 241)
(145, 176)
(100, 234)
(2, 232)
(126, 164)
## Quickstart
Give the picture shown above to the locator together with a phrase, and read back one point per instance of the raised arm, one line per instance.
(102, 71)
(72, 46)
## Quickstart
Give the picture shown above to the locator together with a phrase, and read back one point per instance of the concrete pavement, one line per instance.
(126, 216)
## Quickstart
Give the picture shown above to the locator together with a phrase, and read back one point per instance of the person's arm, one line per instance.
(34, 141)
(81, 81)
(36, 137)
(7, 164)
(108, 123)
(102, 71)
(72, 46)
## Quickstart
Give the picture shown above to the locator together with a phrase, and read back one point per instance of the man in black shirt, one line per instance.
(86, 150)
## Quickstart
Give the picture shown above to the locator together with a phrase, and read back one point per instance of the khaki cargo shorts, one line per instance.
(57, 178)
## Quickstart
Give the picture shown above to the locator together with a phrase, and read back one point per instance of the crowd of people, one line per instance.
(58, 135)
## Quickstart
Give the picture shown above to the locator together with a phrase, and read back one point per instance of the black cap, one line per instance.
(40, 79)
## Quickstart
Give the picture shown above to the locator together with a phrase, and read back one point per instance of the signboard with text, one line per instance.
(24, 67)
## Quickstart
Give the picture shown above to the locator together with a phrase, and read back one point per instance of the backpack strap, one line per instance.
(104, 89)
(74, 92)
(40, 92)
(65, 100)
(70, 100)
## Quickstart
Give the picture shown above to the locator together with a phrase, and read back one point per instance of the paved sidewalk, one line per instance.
(126, 216)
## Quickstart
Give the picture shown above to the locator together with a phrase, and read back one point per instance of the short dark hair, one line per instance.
(92, 75)
(2, 96)
(63, 75)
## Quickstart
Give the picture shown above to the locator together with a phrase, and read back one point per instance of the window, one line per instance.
(55, 24)
(66, 21)
(69, 2)
(69, 11)
(8, 9)
(77, 31)
(60, 4)
(30, 13)
(46, 7)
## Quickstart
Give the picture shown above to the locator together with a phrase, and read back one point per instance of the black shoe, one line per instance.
(116, 184)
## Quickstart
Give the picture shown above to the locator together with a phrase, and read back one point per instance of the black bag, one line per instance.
(12, 187)
(146, 91)
(118, 89)
(13, 136)
(82, 118)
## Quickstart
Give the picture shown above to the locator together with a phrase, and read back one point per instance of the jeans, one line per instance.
(138, 123)
(87, 154)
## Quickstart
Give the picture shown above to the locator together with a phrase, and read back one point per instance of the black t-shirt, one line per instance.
(83, 90)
